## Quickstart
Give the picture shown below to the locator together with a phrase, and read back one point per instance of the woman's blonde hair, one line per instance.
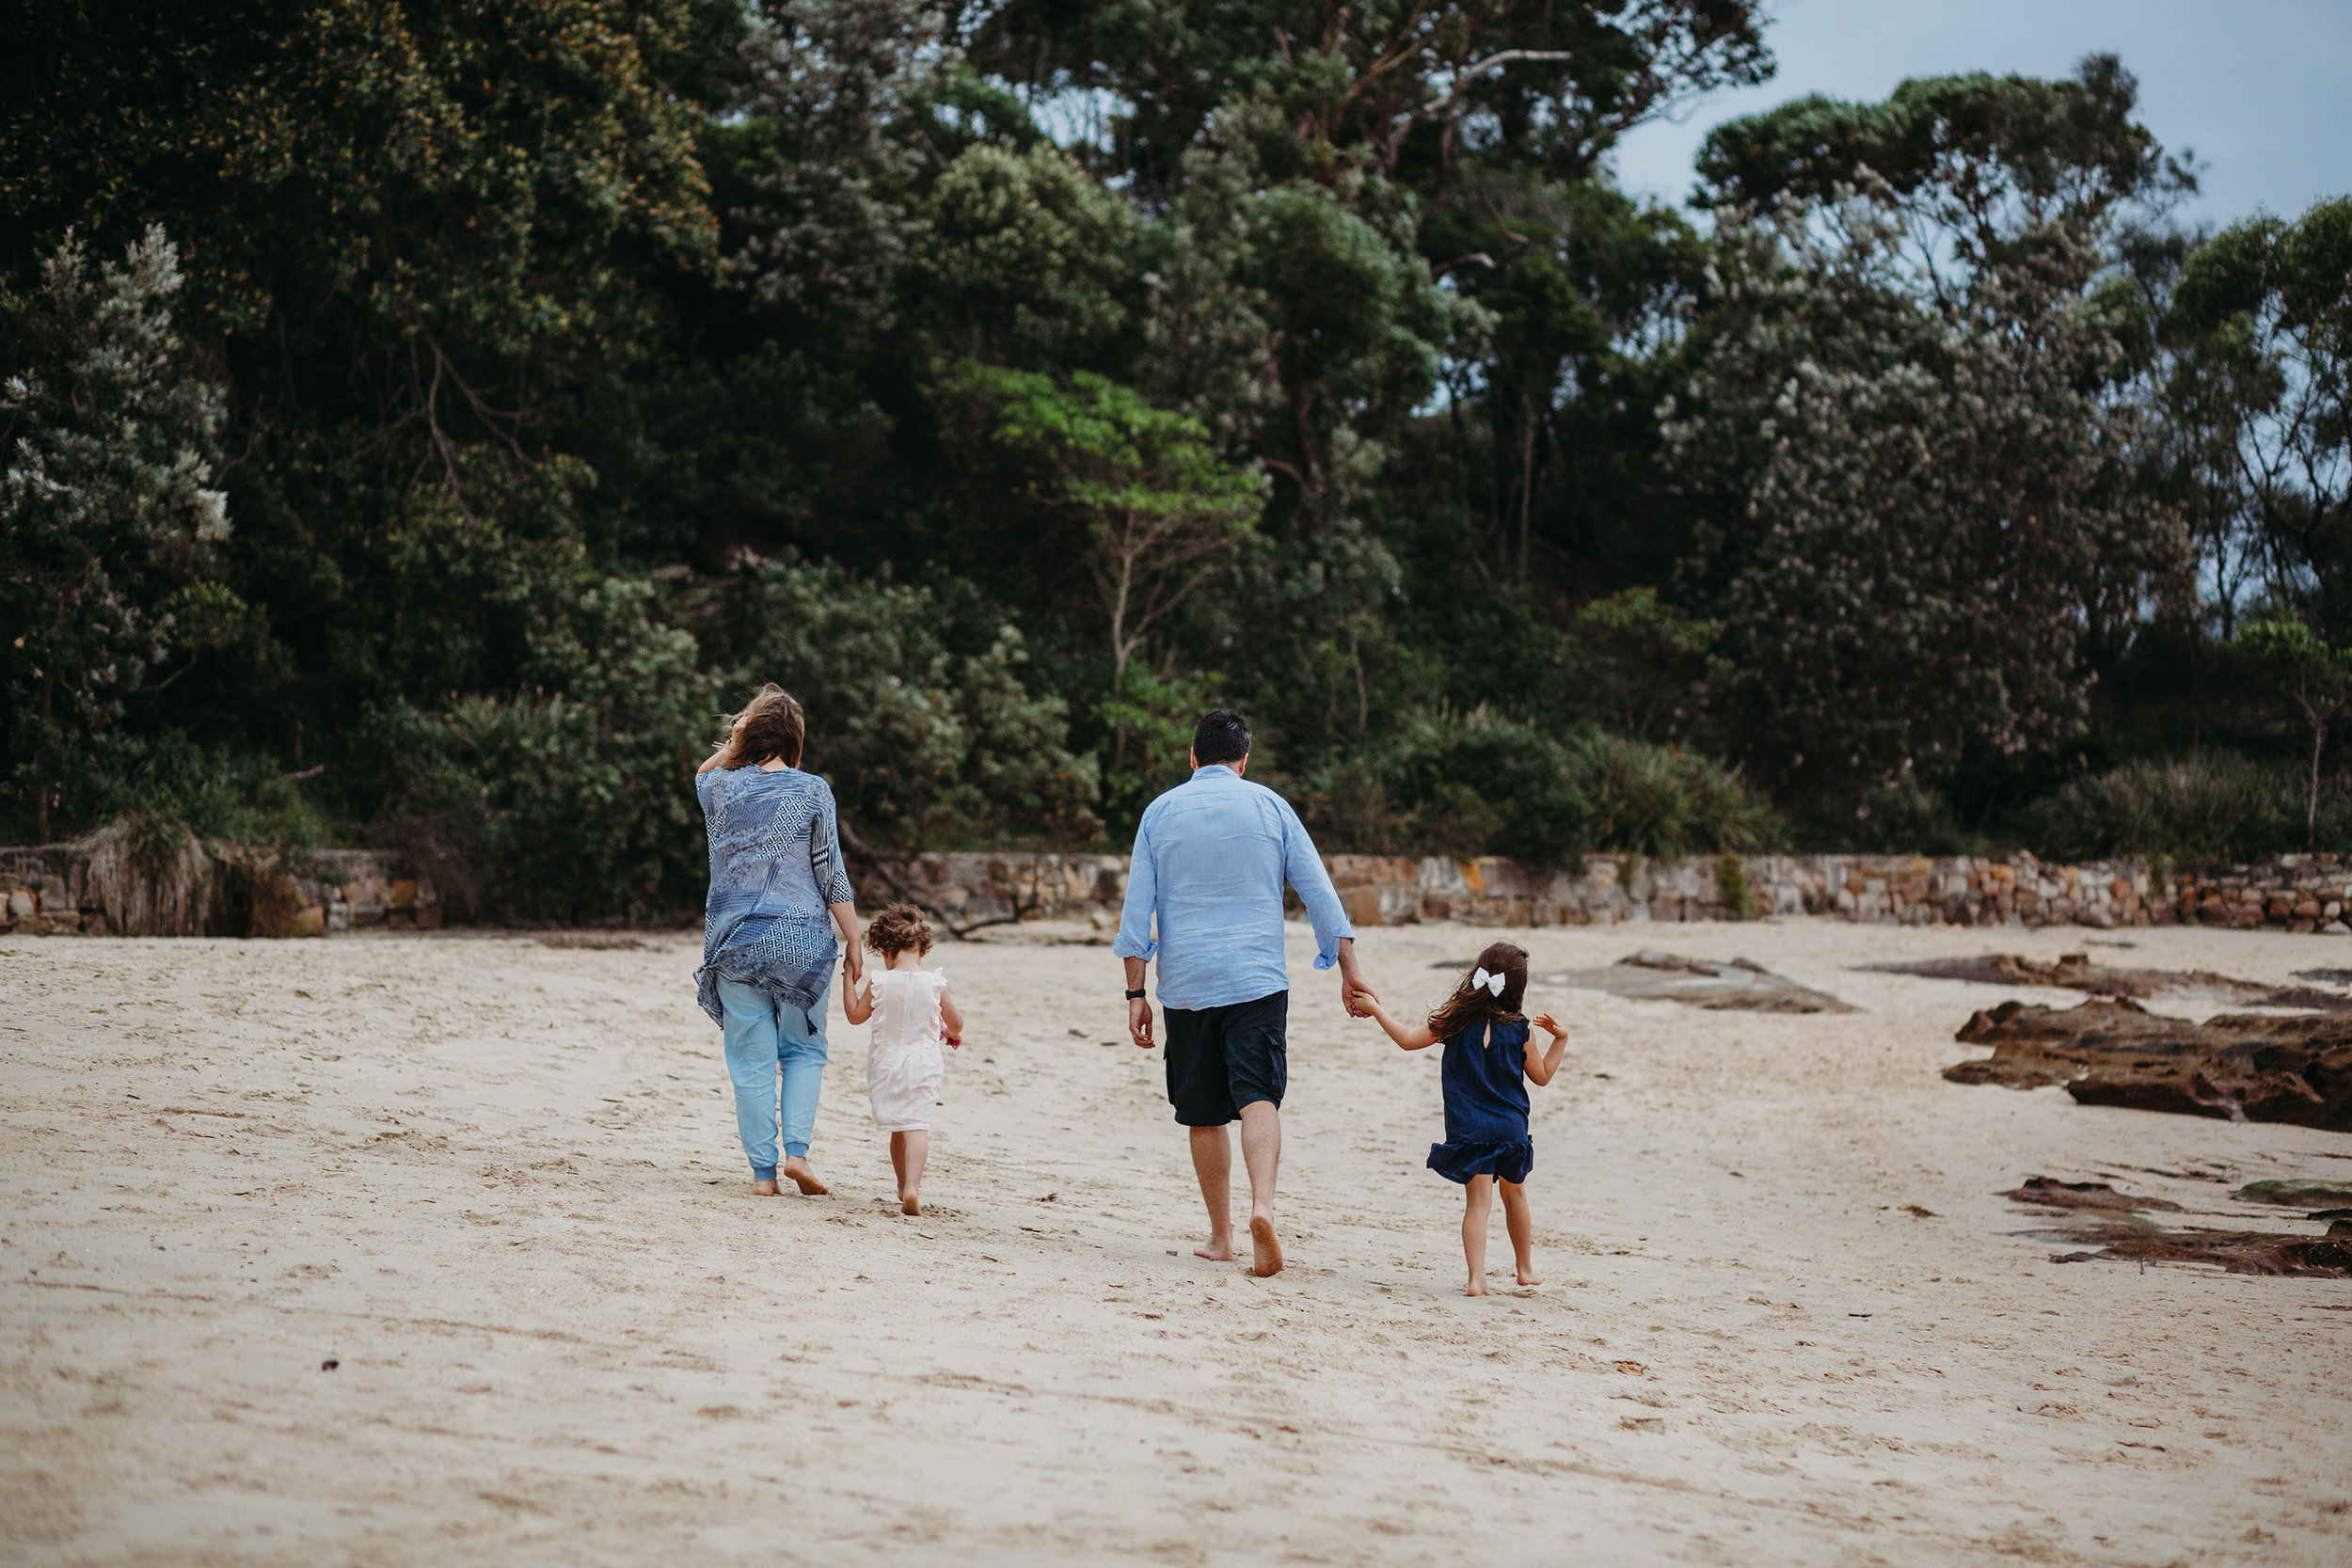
(773, 726)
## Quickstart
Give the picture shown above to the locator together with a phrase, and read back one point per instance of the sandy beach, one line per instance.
(1787, 1316)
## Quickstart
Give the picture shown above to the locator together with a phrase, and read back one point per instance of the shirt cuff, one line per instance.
(1125, 946)
(1327, 951)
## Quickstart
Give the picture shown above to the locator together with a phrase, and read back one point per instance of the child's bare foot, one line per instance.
(804, 1179)
(1528, 1276)
(910, 1204)
(1218, 1250)
(1477, 1286)
(1265, 1249)
(765, 1189)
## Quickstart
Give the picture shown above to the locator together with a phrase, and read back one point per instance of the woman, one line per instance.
(768, 949)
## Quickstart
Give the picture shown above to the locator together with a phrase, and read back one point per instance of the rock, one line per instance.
(2081, 1195)
(2238, 1251)
(2304, 1194)
(1740, 985)
(2075, 971)
(2239, 1067)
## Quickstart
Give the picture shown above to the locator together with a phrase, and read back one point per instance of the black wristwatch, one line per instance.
(1135, 996)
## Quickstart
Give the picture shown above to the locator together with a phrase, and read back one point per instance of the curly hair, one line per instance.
(773, 727)
(900, 928)
(1471, 1004)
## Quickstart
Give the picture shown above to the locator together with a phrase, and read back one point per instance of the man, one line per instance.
(1210, 859)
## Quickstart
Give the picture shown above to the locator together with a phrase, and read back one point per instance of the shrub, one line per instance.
(1483, 783)
(2216, 805)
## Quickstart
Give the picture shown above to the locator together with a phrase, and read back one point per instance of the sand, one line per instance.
(497, 1185)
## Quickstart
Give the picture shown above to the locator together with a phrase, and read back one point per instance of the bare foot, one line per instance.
(1528, 1276)
(1219, 1250)
(765, 1189)
(1267, 1252)
(804, 1179)
(1477, 1287)
(910, 1204)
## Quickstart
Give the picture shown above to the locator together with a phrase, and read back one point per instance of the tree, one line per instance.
(2288, 657)
(2263, 316)
(1162, 514)
(110, 522)
(1916, 434)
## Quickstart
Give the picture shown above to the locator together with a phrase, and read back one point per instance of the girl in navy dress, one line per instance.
(1490, 1056)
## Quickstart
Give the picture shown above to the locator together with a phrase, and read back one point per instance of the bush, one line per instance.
(2216, 805)
(1480, 784)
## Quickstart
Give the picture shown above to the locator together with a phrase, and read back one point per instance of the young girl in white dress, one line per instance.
(911, 1013)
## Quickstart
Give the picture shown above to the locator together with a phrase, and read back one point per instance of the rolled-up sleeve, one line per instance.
(824, 852)
(1304, 869)
(1134, 940)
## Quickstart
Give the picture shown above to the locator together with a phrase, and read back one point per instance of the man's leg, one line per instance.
(1213, 1163)
(1262, 1151)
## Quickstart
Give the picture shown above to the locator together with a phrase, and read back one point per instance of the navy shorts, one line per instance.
(1222, 1058)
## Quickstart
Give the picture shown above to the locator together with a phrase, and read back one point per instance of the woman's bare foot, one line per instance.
(1528, 1276)
(1218, 1250)
(1265, 1247)
(765, 1189)
(910, 1204)
(1477, 1287)
(804, 1179)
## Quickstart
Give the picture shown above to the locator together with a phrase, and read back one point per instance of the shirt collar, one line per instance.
(1224, 768)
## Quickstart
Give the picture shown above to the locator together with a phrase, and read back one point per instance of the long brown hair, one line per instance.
(1471, 1004)
(773, 726)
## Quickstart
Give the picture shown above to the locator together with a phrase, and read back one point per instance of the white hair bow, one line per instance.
(1492, 982)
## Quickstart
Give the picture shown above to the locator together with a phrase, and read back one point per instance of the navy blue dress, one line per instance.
(1485, 1105)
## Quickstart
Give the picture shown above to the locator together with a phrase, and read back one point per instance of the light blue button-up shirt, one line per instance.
(1211, 857)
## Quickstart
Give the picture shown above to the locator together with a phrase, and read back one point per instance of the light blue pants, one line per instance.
(766, 1040)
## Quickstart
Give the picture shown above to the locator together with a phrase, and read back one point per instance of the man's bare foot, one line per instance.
(1266, 1251)
(1477, 1287)
(1528, 1276)
(910, 1204)
(765, 1189)
(804, 1179)
(1219, 1250)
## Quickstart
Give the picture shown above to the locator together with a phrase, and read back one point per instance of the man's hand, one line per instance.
(1352, 981)
(1139, 1022)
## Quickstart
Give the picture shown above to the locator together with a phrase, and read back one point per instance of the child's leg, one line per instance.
(908, 1153)
(1478, 1203)
(1522, 1225)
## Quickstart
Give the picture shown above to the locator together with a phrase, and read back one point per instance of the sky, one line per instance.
(2260, 90)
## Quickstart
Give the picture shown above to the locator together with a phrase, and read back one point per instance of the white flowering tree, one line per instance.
(109, 512)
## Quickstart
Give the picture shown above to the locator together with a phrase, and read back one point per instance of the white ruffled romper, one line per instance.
(903, 1066)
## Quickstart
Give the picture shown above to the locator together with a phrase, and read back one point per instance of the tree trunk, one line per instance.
(2310, 808)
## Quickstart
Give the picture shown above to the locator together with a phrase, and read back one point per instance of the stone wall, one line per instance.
(66, 889)
(228, 890)
(2293, 892)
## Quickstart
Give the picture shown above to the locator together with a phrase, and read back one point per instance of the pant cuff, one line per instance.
(796, 1151)
(763, 1173)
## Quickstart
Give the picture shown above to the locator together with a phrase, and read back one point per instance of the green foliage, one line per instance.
(926, 746)
(2211, 807)
(1480, 784)
(110, 528)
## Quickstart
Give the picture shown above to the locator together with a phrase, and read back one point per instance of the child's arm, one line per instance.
(857, 998)
(1542, 1064)
(951, 1016)
(1416, 1038)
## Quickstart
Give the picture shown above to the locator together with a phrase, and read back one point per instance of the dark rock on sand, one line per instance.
(2238, 1251)
(2081, 1195)
(2239, 1067)
(2297, 1194)
(1740, 985)
(2075, 971)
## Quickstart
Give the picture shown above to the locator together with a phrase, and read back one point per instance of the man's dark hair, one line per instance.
(1220, 737)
